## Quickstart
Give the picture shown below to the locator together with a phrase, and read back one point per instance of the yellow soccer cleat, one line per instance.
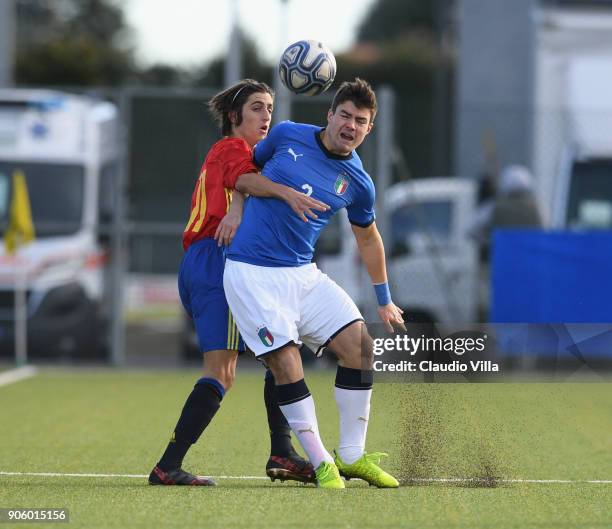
(328, 476)
(366, 468)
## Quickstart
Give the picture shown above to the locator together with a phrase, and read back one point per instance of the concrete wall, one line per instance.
(494, 82)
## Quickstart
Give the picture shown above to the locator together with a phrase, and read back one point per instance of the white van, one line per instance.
(431, 264)
(67, 148)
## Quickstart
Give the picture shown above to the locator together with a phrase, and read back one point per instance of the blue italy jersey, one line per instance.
(271, 234)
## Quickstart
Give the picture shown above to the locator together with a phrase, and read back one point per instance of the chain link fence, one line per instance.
(145, 201)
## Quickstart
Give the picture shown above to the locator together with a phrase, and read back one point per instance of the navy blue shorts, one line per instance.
(200, 285)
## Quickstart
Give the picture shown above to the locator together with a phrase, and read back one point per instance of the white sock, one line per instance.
(302, 418)
(354, 410)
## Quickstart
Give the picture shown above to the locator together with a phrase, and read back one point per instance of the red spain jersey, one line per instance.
(211, 199)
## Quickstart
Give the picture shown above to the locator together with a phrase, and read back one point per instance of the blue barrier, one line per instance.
(551, 277)
(559, 284)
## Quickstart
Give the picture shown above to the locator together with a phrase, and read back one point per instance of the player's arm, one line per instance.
(372, 252)
(259, 185)
(229, 224)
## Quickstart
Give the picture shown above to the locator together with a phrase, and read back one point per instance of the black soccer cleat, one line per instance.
(293, 467)
(178, 477)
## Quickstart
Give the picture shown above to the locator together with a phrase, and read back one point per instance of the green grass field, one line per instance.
(118, 422)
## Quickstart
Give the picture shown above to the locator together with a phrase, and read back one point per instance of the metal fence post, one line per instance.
(385, 129)
(384, 141)
(119, 236)
(7, 42)
(282, 102)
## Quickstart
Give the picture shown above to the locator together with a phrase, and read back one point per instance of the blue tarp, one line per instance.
(560, 285)
(551, 277)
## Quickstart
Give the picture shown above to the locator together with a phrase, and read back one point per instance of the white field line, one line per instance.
(74, 475)
(15, 375)
(502, 480)
(415, 480)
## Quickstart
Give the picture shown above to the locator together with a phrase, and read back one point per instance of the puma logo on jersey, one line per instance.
(304, 430)
(362, 419)
(292, 153)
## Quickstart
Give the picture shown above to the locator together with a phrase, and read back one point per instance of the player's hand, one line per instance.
(303, 205)
(227, 229)
(391, 315)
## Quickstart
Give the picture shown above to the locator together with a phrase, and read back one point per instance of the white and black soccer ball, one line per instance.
(307, 67)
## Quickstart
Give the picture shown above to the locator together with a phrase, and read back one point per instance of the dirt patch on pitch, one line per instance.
(441, 441)
(421, 435)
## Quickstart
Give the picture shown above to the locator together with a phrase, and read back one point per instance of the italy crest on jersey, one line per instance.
(341, 184)
(265, 336)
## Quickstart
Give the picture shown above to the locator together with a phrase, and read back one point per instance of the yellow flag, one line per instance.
(21, 228)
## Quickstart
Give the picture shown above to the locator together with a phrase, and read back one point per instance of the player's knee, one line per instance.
(278, 365)
(221, 367)
(224, 376)
(349, 356)
(367, 349)
(228, 380)
(286, 365)
(354, 349)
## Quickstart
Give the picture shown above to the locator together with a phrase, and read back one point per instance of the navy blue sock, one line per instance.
(280, 432)
(349, 378)
(199, 409)
(292, 392)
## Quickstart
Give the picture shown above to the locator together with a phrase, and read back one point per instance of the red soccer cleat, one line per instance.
(178, 477)
(292, 467)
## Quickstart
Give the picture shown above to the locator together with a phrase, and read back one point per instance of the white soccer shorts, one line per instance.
(274, 306)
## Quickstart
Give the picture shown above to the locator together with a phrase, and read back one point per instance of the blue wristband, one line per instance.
(383, 294)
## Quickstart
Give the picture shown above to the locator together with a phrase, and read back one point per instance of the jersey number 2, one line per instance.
(307, 189)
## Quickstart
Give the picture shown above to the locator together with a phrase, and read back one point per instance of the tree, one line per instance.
(72, 42)
(389, 19)
(161, 74)
(401, 45)
(254, 67)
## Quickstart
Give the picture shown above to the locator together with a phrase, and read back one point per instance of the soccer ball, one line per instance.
(307, 68)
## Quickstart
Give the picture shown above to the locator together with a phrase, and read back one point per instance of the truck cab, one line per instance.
(585, 194)
(66, 146)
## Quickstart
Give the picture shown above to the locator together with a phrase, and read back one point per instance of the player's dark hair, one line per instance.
(360, 93)
(231, 100)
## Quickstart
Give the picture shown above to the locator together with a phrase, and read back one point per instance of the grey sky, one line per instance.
(189, 32)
